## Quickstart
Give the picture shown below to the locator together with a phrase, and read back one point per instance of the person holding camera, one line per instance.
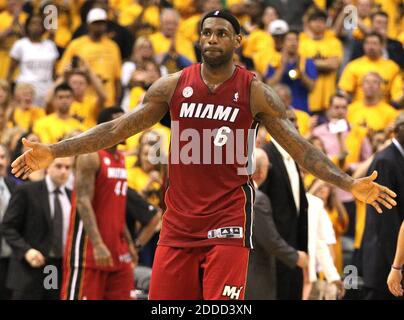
(289, 68)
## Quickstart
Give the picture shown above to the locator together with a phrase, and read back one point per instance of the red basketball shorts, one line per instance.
(215, 272)
(94, 284)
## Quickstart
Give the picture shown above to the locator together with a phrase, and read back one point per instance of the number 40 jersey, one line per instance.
(109, 205)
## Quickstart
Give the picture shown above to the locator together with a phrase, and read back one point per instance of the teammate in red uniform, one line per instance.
(99, 251)
(205, 237)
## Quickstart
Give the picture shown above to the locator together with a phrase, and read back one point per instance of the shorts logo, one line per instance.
(232, 292)
(227, 232)
(187, 92)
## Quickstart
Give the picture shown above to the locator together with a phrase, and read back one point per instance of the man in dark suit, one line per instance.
(394, 49)
(7, 186)
(35, 226)
(285, 190)
(380, 234)
(268, 244)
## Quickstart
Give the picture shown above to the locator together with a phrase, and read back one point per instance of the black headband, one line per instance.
(224, 15)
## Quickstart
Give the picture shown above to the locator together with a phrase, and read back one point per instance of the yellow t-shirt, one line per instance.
(376, 117)
(135, 96)
(263, 59)
(63, 33)
(138, 179)
(257, 41)
(353, 74)
(185, 7)
(188, 28)
(325, 84)
(303, 121)
(5, 22)
(25, 119)
(87, 110)
(129, 14)
(353, 143)
(103, 57)
(51, 128)
(161, 44)
(397, 87)
(357, 33)
(321, 4)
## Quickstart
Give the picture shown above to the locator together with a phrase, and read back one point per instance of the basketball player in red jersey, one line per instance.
(99, 251)
(206, 231)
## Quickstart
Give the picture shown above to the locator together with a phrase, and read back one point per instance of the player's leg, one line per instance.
(84, 284)
(120, 284)
(225, 273)
(175, 274)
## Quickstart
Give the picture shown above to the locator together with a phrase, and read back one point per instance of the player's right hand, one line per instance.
(102, 256)
(34, 258)
(39, 156)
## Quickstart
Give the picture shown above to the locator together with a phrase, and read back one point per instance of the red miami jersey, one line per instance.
(109, 205)
(210, 194)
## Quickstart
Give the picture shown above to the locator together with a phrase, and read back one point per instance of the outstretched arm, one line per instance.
(267, 108)
(105, 135)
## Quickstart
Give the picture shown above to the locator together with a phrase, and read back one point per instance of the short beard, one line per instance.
(218, 61)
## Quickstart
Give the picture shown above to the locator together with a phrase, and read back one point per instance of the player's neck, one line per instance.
(217, 75)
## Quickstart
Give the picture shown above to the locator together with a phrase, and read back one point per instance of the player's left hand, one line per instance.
(366, 190)
(133, 254)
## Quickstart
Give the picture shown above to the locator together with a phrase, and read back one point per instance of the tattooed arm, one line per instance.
(86, 169)
(105, 135)
(267, 108)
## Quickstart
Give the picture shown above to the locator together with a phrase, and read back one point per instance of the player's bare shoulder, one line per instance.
(163, 89)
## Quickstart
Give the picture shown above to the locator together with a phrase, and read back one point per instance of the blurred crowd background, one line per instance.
(338, 64)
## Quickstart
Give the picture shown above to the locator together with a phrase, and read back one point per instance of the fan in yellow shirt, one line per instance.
(373, 61)
(145, 177)
(101, 54)
(169, 38)
(85, 106)
(258, 38)
(25, 114)
(372, 112)
(327, 52)
(11, 29)
(57, 125)
(150, 14)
